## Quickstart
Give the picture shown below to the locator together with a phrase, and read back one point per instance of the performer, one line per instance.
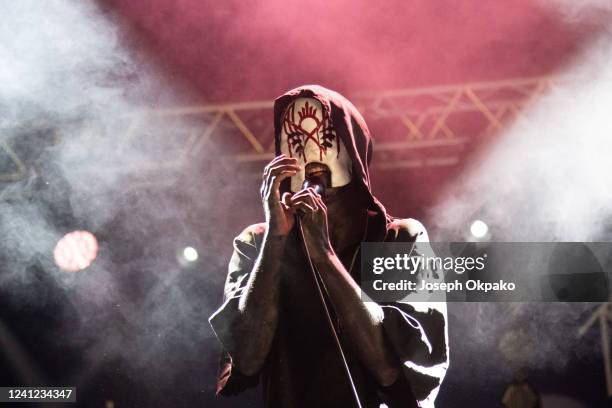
(272, 324)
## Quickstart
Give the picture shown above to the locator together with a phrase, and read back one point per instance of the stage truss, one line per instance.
(417, 127)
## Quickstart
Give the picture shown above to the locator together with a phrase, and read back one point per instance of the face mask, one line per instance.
(308, 135)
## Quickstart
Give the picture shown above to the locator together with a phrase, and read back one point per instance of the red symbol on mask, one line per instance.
(322, 134)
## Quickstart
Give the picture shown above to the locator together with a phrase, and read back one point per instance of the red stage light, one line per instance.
(75, 251)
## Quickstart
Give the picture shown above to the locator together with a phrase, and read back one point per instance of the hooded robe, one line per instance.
(303, 368)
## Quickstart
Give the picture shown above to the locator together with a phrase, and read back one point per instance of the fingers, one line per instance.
(278, 161)
(286, 200)
(319, 201)
(304, 207)
(305, 202)
(280, 168)
(272, 182)
(308, 192)
(310, 197)
(277, 170)
(278, 175)
(279, 158)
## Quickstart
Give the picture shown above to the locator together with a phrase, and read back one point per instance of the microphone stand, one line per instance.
(323, 295)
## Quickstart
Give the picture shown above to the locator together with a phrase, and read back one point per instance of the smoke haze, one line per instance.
(67, 73)
(71, 71)
(545, 178)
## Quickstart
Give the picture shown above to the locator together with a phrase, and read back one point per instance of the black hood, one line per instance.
(349, 125)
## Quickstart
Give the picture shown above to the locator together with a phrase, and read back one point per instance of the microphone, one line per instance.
(316, 183)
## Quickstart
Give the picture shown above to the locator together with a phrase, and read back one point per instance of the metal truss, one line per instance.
(603, 315)
(416, 127)
(13, 167)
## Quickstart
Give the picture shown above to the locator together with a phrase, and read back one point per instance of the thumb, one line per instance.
(286, 201)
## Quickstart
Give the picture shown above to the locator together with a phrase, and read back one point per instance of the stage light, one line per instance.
(479, 229)
(190, 254)
(75, 251)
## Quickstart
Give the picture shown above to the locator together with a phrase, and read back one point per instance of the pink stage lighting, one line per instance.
(75, 251)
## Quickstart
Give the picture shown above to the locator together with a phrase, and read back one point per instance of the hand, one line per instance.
(314, 222)
(279, 217)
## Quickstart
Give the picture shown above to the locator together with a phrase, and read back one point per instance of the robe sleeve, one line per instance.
(230, 381)
(417, 331)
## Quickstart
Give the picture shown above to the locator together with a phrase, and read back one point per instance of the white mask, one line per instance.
(308, 134)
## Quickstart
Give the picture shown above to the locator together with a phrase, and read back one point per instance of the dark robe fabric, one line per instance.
(303, 368)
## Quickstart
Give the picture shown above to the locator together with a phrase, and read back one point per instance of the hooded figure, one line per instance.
(301, 365)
